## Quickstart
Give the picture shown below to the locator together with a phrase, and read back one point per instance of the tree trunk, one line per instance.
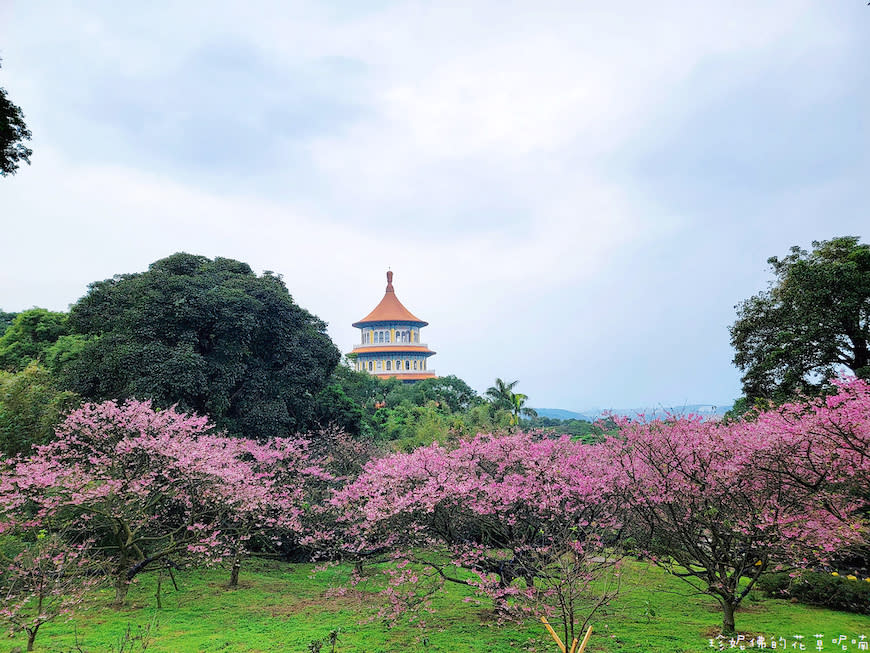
(234, 572)
(159, 587)
(728, 618)
(121, 587)
(31, 637)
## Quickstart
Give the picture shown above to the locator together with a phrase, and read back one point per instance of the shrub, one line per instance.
(818, 588)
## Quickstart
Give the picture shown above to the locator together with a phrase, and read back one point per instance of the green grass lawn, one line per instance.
(280, 607)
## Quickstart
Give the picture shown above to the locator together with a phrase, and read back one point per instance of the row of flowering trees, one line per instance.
(541, 522)
(536, 524)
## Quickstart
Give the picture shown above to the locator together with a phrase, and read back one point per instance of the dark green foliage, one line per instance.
(31, 337)
(210, 336)
(449, 391)
(817, 588)
(31, 406)
(13, 133)
(814, 320)
(362, 388)
(6, 320)
(332, 406)
(405, 415)
(578, 428)
(348, 401)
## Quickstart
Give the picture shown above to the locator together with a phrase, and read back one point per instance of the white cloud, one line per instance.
(485, 165)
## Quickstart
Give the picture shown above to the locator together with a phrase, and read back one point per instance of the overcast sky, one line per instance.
(573, 194)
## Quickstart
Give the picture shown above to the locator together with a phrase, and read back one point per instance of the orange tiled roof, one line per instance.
(398, 348)
(390, 309)
(405, 375)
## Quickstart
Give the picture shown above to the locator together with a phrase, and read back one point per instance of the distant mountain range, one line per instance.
(707, 410)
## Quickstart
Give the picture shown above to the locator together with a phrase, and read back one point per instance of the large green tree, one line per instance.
(30, 337)
(6, 320)
(813, 321)
(13, 133)
(208, 335)
(31, 406)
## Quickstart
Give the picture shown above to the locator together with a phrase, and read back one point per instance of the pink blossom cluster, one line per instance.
(719, 504)
(509, 508)
(151, 485)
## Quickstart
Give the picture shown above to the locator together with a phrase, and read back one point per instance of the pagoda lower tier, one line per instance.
(406, 362)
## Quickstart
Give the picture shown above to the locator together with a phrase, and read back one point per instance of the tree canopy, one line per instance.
(13, 133)
(207, 335)
(31, 406)
(813, 320)
(6, 320)
(30, 336)
(720, 504)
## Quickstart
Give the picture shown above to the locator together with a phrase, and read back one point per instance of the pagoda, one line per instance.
(390, 341)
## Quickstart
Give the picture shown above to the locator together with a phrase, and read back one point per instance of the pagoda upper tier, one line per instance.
(390, 341)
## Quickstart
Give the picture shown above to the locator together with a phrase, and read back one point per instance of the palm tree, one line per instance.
(502, 397)
(500, 394)
(518, 408)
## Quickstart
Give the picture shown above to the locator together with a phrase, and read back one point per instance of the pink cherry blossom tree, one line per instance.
(720, 504)
(532, 518)
(45, 578)
(281, 502)
(823, 444)
(146, 485)
(273, 503)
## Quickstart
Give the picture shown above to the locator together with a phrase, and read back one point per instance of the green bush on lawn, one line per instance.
(837, 592)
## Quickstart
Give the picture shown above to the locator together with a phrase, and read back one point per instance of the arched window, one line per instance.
(415, 365)
(407, 365)
(388, 365)
(371, 366)
(398, 365)
(378, 365)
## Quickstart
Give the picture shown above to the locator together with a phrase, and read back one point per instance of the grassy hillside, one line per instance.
(281, 607)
